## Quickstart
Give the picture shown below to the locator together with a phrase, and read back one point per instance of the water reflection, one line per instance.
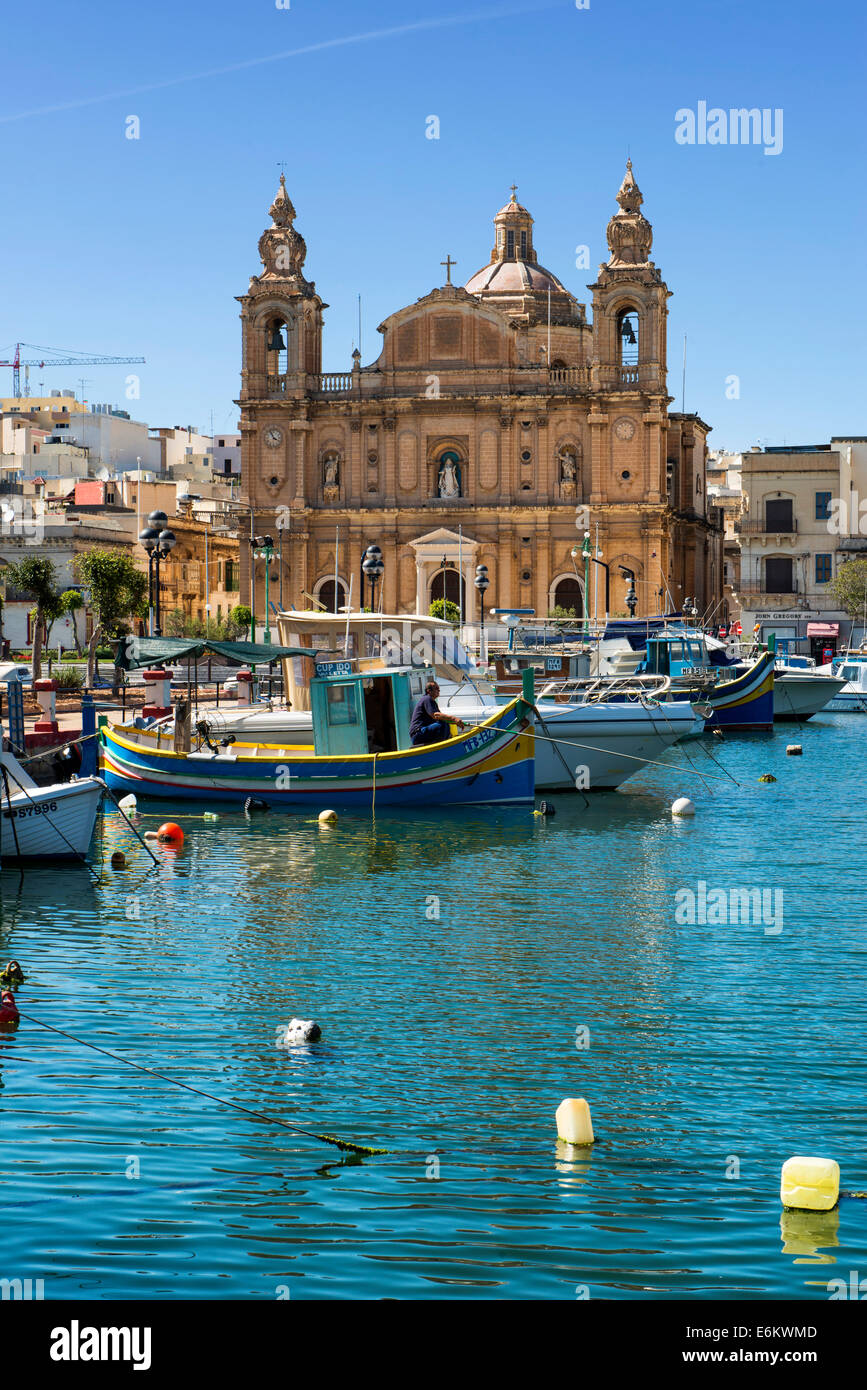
(573, 1163)
(806, 1233)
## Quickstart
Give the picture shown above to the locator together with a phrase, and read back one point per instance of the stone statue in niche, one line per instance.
(568, 473)
(449, 478)
(331, 477)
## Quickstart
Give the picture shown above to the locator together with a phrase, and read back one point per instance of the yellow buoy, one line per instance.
(574, 1125)
(810, 1184)
(767, 777)
(327, 817)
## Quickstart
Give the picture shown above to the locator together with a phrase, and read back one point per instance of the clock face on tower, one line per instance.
(273, 436)
(624, 429)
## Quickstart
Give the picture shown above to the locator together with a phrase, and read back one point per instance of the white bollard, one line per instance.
(158, 693)
(46, 696)
(245, 687)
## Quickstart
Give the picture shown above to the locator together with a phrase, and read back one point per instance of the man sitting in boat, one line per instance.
(428, 725)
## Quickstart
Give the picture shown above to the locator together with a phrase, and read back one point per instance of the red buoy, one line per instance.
(8, 1008)
(170, 834)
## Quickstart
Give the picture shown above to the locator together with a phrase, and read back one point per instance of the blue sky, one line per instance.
(139, 246)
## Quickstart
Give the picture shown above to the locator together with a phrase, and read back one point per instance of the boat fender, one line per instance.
(170, 834)
(767, 777)
(298, 1030)
(793, 750)
(8, 1008)
(253, 804)
(12, 975)
(546, 808)
(682, 807)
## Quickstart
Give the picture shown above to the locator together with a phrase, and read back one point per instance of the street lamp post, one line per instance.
(158, 541)
(265, 551)
(481, 583)
(373, 566)
(631, 596)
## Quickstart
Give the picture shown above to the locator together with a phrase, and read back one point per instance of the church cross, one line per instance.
(514, 191)
(448, 263)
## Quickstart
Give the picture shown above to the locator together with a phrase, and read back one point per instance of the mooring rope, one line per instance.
(348, 1144)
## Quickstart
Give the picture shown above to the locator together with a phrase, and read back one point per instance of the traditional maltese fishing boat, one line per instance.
(362, 754)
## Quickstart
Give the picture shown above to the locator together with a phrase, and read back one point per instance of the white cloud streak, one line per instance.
(397, 31)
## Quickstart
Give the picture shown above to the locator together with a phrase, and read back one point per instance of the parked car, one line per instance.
(9, 668)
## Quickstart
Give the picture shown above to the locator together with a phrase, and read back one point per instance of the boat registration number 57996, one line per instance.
(22, 811)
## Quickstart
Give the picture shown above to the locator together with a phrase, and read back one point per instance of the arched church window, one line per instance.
(449, 479)
(627, 337)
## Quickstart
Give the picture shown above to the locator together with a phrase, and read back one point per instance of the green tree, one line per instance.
(37, 576)
(242, 617)
(118, 592)
(71, 603)
(849, 587)
(444, 608)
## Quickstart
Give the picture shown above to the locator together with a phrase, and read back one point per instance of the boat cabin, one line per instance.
(362, 707)
(683, 654)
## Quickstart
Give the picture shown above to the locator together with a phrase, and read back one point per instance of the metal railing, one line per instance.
(765, 528)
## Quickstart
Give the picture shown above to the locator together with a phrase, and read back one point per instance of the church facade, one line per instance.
(498, 426)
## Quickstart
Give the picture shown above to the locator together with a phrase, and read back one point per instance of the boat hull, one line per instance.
(53, 822)
(611, 743)
(800, 697)
(744, 703)
(490, 765)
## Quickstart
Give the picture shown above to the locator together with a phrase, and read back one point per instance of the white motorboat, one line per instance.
(851, 670)
(53, 822)
(594, 744)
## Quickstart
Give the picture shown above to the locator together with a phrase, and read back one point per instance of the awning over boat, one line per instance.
(135, 652)
(823, 629)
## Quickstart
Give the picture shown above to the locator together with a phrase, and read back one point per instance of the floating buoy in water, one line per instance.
(718, 733)
(12, 975)
(253, 804)
(682, 807)
(574, 1125)
(327, 817)
(170, 834)
(118, 859)
(298, 1030)
(8, 1008)
(151, 835)
(767, 777)
(810, 1184)
(546, 809)
(128, 803)
(210, 815)
(793, 750)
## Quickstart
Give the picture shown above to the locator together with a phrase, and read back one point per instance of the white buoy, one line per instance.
(682, 807)
(327, 817)
(128, 803)
(810, 1184)
(298, 1030)
(574, 1125)
(793, 750)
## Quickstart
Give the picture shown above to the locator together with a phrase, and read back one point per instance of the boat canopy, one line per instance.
(135, 652)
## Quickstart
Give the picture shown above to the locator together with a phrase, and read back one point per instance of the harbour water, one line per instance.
(468, 971)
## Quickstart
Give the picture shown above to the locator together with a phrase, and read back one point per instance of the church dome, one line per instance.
(513, 277)
(513, 280)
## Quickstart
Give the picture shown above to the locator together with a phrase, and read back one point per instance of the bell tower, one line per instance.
(281, 326)
(629, 301)
(629, 361)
